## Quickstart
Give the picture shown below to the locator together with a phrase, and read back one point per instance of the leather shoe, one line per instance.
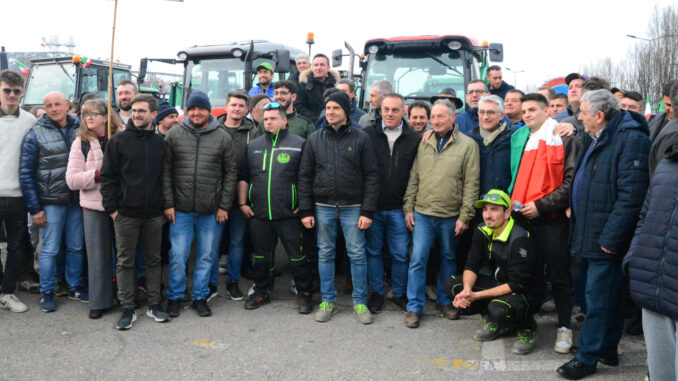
(95, 314)
(575, 370)
(448, 311)
(612, 361)
(412, 319)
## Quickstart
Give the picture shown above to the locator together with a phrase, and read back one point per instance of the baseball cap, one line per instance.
(264, 65)
(496, 197)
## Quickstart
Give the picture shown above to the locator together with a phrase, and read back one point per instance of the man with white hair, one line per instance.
(52, 205)
(302, 63)
(377, 93)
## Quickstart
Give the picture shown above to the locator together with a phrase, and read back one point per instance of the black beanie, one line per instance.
(164, 110)
(198, 99)
(342, 100)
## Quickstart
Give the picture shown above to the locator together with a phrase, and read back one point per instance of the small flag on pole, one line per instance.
(23, 68)
(648, 108)
(86, 61)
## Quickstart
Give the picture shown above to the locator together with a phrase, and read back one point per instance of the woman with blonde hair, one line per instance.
(82, 173)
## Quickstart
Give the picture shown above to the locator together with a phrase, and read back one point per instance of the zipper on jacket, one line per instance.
(148, 176)
(195, 171)
(336, 164)
(294, 195)
(263, 165)
(270, 171)
(661, 261)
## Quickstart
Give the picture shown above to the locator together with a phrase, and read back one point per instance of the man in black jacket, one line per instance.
(267, 192)
(395, 145)
(131, 191)
(198, 184)
(339, 184)
(312, 84)
(503, 275)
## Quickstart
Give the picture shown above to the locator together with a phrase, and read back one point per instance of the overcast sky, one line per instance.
(545, 39)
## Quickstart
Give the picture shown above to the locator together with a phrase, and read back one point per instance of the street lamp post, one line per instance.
(649, 39)
(515, 75)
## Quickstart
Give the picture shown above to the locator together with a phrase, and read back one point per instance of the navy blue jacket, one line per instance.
(495, 159)
(44, 158)
(653, 257)
(502, 90)
(612, 189)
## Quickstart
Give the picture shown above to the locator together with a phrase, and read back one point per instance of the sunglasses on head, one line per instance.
(16, 92)
(272, 106)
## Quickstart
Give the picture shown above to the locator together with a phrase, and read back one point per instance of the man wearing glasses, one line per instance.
(469, 119)
(267, 195)
(14, 124)
(503, 277)
(285, 93)
(130, 187)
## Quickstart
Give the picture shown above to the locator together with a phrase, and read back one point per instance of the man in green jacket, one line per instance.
(242, 131)
(198, 184)
(438, 203)
(285, 93)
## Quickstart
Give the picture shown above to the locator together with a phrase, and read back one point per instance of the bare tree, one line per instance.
(651, 62)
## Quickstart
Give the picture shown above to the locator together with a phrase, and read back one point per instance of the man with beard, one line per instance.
(265, 75)
(419, 115)
(285, 93)
(167, 118)
(198, 185)
(126, 90)
(130, 184)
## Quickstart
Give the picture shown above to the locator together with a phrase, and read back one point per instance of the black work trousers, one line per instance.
(264, 235)
(512, 310)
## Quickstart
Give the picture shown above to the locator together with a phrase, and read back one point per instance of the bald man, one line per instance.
(52, 205)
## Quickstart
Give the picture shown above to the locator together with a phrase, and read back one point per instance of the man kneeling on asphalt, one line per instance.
(502, 276)
(267, 191)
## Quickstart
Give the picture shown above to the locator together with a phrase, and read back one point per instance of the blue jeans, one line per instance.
(206, 230)
(602, 329)
(426, 229)
(389, 224)
(327, 219)
(661, 337)
(237, 227)
(64, 224)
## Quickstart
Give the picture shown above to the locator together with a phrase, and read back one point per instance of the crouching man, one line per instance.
(502, 278)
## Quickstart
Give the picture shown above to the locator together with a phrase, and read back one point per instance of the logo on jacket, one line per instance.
(283, 158)
(523, 252)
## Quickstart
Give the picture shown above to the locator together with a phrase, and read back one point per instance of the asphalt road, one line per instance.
(275, 342)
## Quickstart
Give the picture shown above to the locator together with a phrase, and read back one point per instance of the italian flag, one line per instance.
(23, 68)
(648, 108)
(542, 163)
(85, 61)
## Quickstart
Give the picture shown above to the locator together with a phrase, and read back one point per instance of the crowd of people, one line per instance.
(475, 210)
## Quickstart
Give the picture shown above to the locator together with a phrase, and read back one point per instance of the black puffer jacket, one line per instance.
(44, 158)
(310, 100)
(394, 167)
(199, 173)
(338, 168)
(131, 172)
(271, 166)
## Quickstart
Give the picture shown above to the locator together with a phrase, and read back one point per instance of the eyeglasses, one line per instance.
(91, 115)
(481, 91)
(272, 106)
(137, 111)
(16, 92)
(488, 113)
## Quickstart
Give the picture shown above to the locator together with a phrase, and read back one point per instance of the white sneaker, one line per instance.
(563, 340)
(12, 303)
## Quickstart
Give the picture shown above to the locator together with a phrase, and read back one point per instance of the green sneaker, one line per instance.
(490, 331)
(325, 312)
(363, 314)
(525, 343)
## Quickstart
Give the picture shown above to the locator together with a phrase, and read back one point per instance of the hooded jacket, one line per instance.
(395, 166)
(199, 173)
(271, 167)
(44, 159)
(652, 261)
(131, 173)
(444, 184)
(310, 100)
(338, 168)
(613, 186)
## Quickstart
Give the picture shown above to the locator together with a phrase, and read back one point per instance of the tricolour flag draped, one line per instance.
(542, 165)
(23, 68)
(648, 108)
